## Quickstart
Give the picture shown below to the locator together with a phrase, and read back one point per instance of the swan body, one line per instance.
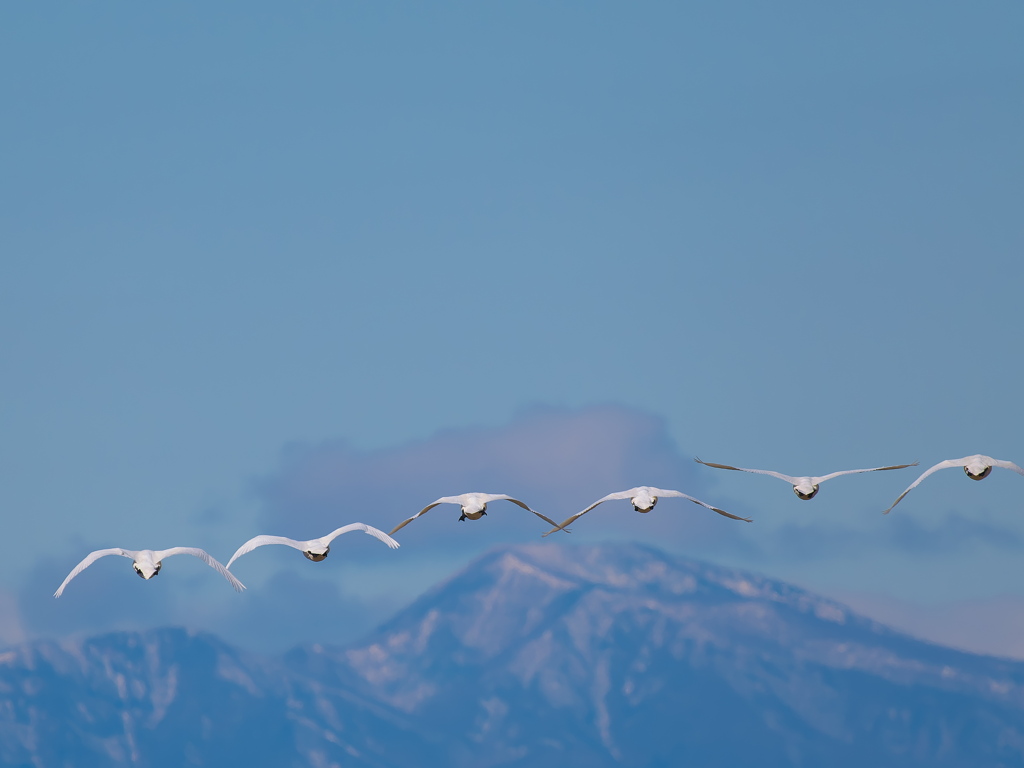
(473, 505)
(805, 487)
(313, 549)
(147, 563)
(976, 467)
(643, 498)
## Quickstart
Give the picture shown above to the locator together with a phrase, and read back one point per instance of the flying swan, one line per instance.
(474, 506)
(805, 487)
(147, 563)
(977, 467)
(314, 549)
(643, 499)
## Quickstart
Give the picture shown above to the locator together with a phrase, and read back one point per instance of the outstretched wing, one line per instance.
(787, 478)
(678, 494)
(442, 500)
(91, 558)
(817, 480)
(262, 541)
(941, 465)
(517, 502)
(1007, 465)
(377, 534)
(610, 497)
(206, 558)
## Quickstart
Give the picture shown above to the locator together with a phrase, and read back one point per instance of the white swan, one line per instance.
(474, 506)
(147, 563)
(977, 467)
(643, 499)
(314, 549)
(805, 487)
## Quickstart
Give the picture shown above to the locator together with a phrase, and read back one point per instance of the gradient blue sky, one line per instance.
(266, 268)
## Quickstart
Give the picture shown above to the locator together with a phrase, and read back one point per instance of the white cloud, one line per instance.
(556, 460)
(11, 629)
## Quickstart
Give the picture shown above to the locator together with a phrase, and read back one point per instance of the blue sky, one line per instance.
(243, 242)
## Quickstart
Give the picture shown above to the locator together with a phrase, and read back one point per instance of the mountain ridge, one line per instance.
(600, 655)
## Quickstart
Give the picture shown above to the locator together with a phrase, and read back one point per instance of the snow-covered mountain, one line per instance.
(540, 655)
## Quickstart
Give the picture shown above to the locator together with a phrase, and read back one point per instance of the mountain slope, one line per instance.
(624, 655)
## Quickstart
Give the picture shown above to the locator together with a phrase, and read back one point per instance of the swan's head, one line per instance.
(474, 514)
(147, 570)
(637, 504)
(805, 490)
(977, 470)
(316, 557)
